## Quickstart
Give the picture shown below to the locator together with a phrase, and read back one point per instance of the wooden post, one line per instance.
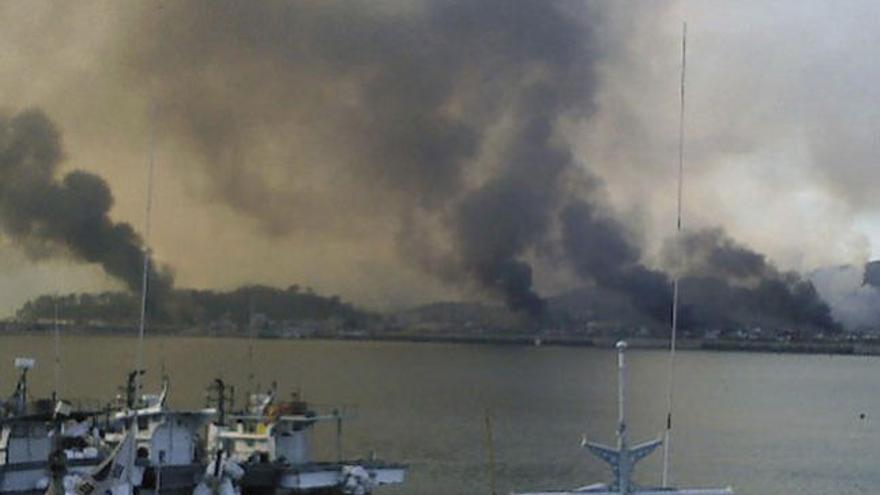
(490, 453)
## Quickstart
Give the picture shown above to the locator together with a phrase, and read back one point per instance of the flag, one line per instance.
(114, 471)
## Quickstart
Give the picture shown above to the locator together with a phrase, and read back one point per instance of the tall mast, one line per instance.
(678, 224)
(56, 392)
(490, 453)
(623, 459)
(139, 360)
(621, 395)
(250, 351)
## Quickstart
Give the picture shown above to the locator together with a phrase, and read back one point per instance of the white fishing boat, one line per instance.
(169, 453)
(271, 442)
(155, 450)
(43, 437)
(623, 459)
(114, 476)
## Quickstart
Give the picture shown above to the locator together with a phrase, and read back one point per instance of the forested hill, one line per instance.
(196, 307)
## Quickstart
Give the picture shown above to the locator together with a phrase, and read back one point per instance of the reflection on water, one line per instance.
(763, 423)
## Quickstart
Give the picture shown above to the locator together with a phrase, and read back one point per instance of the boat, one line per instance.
(112, 477)
(170, 457)
(623, 459)
(44, 439)
(167, 454)
(270, 441)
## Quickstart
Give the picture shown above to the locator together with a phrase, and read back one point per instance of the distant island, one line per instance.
(583, 317)
(258, 307)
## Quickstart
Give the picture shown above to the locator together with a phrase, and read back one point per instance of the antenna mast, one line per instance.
(490, 453)
(139, 362)
(56, 393)
(250, 351)
(672, 341)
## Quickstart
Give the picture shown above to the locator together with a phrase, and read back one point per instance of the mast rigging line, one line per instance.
(675, 282)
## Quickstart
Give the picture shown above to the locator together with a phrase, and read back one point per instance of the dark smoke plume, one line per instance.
(416, 95)
(513, 211)
(599, 250)
(872, 274)
(724, 282)
(442, 118)
(48, 216)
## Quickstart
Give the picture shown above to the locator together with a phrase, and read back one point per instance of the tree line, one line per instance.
(195, 307)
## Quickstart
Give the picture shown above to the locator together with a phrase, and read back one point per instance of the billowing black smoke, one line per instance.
(48, 216)
(599, 250)
(418, 92)
(872, 274)
(725, 283)
(444, 118)
(511, 213)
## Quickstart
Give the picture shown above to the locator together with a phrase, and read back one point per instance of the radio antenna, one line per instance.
(139, 362)
(675, 282)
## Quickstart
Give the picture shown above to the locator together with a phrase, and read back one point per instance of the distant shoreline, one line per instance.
(857, 348)
(839, 348)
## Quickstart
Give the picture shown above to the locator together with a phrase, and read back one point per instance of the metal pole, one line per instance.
(139, 361)
(250, 353)
(338, 435)
(621, 394)
(159, 472)
(667, 440)
(490, 452)
(56, 393)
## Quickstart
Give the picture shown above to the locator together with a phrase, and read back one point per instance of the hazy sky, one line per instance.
(257, 153)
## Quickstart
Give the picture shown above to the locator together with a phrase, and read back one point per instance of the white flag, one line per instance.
(113, 472)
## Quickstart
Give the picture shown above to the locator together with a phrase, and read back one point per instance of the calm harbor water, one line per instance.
(763, 423)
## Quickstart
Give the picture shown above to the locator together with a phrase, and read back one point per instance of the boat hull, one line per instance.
(172, 480)
(670, 491)
(313, 478)
(33, 477)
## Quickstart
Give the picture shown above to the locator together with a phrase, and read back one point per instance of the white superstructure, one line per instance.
(271, 443)
(623, 458)
(38, 438)
(169, 457)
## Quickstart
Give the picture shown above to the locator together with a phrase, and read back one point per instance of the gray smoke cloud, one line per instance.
(871, 274)
(853, 293)
(449, 109)
(510, 150)
(48, 215)
(724, 282)
(444, 119)
(599, 250)
(777, 152)
(512, 213)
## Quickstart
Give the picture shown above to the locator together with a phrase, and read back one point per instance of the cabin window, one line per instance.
(143, 423)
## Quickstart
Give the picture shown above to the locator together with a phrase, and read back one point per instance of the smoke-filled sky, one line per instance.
(396, 152)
